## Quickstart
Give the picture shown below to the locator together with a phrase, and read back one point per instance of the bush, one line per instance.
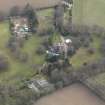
(46, 43)
(59, 85)
(86, 44)
(76, 43)
(91, 50)
(71, 51)
(99, 31)
(46, 31)
(102, 47)
(4, 64)
(2, 16)
(85, 64)
(50, 30)
(40, 50)
(55, 76)
(84, 39)
(23, 57)
(16, 54)
(15, 44)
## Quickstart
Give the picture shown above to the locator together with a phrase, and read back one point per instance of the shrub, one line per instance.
(23, 57)
(71, 51)
(59, 85)
(46, 43)
(76, 43)
(91, 39)
(102, 47)
(46, 31)
(91, 50)
(21, 43)
(99, 31)
(2, 16)
(40, 50)
(85, 64)
(16, 54)
(50, 30)
(86, 43)
(55, 76)
(4, 64)
(11, 45)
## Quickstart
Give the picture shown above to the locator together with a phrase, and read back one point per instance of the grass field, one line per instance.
(82, 56)
(17, 70)
(89, 12)
(45, 19)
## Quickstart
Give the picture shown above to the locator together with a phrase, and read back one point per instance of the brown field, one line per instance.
(76, 94)
(7, 4)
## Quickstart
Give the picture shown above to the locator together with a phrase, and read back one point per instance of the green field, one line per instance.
(45, 19)
(17, 70)
(82, 56)
(20, 71)
(89, 12)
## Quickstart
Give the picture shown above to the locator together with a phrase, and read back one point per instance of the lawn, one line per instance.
(30, 48)
(17, 70)
(89, 12)
(45, 17)
(44, 13)
(82, 56)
